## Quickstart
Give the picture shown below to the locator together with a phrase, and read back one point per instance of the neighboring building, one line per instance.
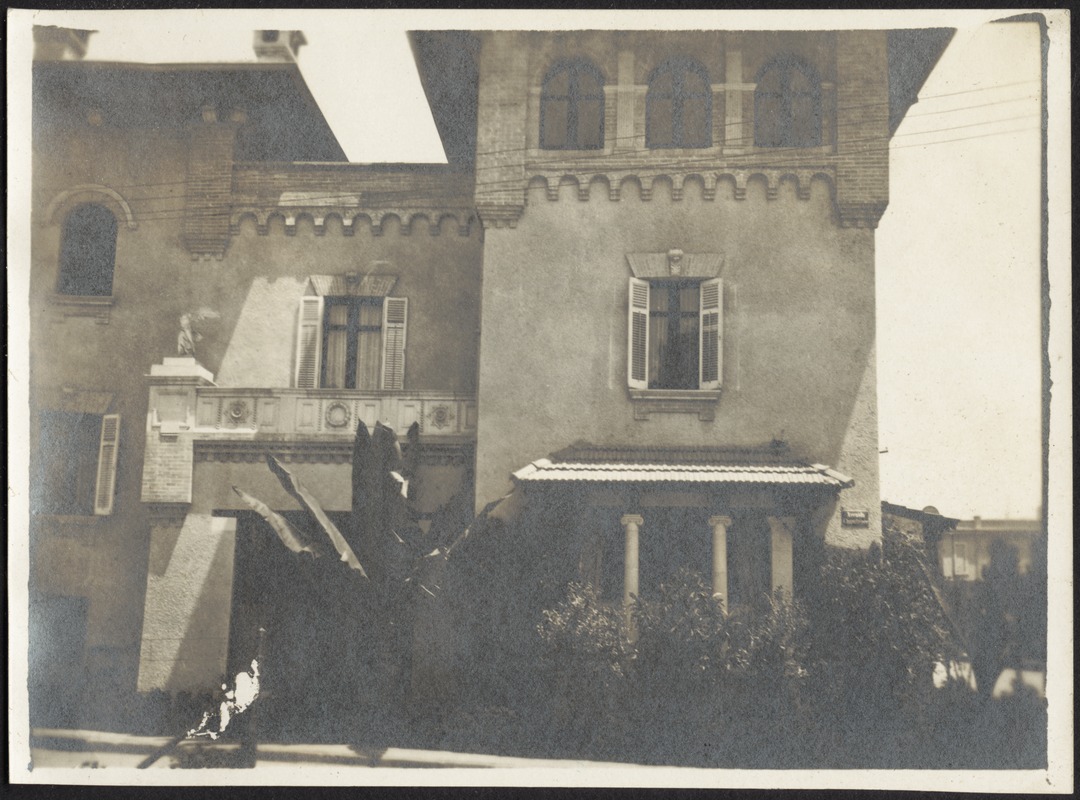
(963, 549)
(641, 291)
(966, 551)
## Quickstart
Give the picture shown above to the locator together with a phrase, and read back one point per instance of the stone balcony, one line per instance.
(330, 412)
(191, 419)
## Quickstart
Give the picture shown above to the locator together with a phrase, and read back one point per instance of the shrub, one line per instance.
(686, 687)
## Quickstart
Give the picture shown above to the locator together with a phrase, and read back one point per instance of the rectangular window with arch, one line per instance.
(675, 334)
(351, 342)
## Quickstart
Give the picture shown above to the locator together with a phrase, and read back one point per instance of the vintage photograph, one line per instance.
(633, 396)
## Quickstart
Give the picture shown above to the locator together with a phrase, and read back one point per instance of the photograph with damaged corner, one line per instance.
(564, 450)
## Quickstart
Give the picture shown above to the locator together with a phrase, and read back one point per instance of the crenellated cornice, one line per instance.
(353, 195)
(735, 178)
(459, 220)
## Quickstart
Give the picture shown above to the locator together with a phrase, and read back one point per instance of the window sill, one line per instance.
(675, 401)
(76, 305)
(67, 525)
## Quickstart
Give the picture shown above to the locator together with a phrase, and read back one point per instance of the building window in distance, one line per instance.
(87, 252)
(787, 105)
(572, 108)
(678, 106)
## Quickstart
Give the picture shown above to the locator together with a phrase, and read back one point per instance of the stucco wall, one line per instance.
(799, 324)
(185, 635)
(254, 288)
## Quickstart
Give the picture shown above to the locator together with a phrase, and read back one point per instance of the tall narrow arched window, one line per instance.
(87, 252)
(678, 106)
(787, 105)
(572, 107)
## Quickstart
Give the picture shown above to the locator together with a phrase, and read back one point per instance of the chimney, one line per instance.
(278, 45)
(52, 43)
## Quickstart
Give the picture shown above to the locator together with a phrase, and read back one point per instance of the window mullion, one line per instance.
(677, 98)
(352, 336)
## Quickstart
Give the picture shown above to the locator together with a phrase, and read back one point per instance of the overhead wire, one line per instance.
(770, 158)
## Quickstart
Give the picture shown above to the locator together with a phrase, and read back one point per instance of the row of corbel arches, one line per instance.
(737, 181)
(290, 220)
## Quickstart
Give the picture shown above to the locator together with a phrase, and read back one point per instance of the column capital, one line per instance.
(632, 519)
(781, 524)
(720, 519)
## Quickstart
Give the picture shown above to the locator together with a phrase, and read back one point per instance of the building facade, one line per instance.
(639, 298)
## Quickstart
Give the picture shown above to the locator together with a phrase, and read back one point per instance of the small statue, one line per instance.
(189, 335)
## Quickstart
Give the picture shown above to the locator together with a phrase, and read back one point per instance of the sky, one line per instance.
(957, 251)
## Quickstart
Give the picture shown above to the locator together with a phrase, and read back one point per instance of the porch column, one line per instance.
(720, 524)
(632, 523)
(782, 570)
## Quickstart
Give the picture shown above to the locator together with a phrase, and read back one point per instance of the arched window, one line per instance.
(678, 106)
(787, 105)
(87, 252)
(572, 108)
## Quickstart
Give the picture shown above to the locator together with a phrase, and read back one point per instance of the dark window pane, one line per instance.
(787, 106)
(659, 129)
(554, 117)
(589, 84)
(67, 463)
(695, 123)
(663, 84)
(352, 343)
(572, 108)
(673, 331)
(694, 84)
(678, 107)
(590, 124)
(88, 252)
(769, 123)
(805, 121)
(558, 84)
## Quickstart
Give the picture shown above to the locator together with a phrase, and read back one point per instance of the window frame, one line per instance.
(573, 98)
(784, 67)
(309, 366)
(352, 329)
(640, 312)
(678, 68)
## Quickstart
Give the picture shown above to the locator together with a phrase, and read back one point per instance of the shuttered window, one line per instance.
(638, 350)
(105, 489)
(308, 344)
(712, 331)
(351, 342)
(395, 310)
(675, 334)
(76, 464)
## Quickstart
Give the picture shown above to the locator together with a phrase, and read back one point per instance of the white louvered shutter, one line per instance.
(711, 352)
(108, 448)
(637, 358)
(395, 312)
(309, 342)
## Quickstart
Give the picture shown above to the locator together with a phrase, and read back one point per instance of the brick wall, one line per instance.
(167, 468)
(500, 139)
(862, 131)
(209, 184)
